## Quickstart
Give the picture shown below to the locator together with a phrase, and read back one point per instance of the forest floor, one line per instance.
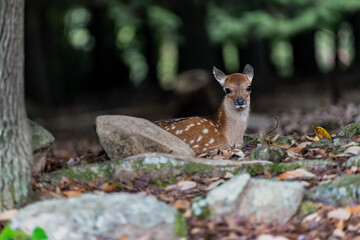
(299, 115)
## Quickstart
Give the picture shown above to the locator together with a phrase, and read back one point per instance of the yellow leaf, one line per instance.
(322, 133)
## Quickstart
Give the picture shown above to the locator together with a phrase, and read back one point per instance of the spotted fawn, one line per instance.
(227, 126)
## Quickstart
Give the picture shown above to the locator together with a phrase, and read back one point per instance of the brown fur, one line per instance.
(225, 128)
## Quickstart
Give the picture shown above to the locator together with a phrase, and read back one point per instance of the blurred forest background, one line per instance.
(153, 59)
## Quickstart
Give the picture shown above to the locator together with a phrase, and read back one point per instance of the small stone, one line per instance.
(354, 150)
(352, 161)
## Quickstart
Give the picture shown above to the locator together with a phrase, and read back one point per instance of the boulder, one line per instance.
(269, 201)
(123, 136)
(41, 143)
(339, 192)
(110, 216)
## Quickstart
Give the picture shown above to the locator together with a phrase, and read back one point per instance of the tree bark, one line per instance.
(15, 140)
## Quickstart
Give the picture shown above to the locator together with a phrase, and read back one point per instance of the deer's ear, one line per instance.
(249, 72)
(219, 76)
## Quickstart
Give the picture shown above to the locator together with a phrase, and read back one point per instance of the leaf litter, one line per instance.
(323, 222)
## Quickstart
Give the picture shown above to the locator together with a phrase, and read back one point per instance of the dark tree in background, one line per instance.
(15, 140)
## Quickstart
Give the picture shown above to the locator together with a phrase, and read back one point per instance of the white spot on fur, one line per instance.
(189, 126)
(204, 149)
(205, 130)
(206, 144)
(172, 127)
(184, 139)
(178, 132)
(198, 123)
(212, 141)
(211, 123)
(192, 141)
(196, 146)
(199, 138)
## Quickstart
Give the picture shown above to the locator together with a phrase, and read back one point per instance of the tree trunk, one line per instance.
(15, 140)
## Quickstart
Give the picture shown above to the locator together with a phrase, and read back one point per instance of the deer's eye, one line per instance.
(227, 90)
(248, 89)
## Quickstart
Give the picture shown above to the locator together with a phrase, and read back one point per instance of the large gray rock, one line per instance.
(268, 200)
(123, 136)
(340, 192)
(41, 141)
(110, 216)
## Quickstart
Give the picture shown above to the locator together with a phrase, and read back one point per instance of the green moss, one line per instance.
(200, 208)
(307, 207)
(194, 167)
(180, 228)
(106, 170)
(255, 170)
(278, 168)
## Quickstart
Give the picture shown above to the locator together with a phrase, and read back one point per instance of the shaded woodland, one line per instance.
(110, 53)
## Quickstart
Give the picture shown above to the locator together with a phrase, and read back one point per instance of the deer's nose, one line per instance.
(240, 101)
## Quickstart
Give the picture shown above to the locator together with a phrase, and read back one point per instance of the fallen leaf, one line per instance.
(337, 233)
(267, 174)
(322, 133)
(340, 214)
(181, 204)
(353, 209)
(356, 138)
(228, 175)
(340, 225)
(214, 184)
(108, 187)
(282, 145)
(297, 173)
(68, 181)
(303, 144)
(72, 193)
(354, 150)
(186, 185)
(8, 214)
(296, 149)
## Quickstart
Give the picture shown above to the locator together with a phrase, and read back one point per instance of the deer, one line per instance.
(227, 126)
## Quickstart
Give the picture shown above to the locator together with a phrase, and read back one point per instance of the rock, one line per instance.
(41, 145)
(123, 136)
(352, 128)
(270, 153)
(340, 192)
(269, 201)
(251, 138)
(167, 168)
(109, 216)
(285, 139)
(353, 150)
(352, 161)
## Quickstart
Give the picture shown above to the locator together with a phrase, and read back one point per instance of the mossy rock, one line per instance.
(342, 191)
(41, 138)
(251, 138)
(307, 207)
(270, 153)
(285, 139)
(352, 161)
(352, 128)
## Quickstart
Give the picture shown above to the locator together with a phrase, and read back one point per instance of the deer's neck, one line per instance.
(232, 122)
